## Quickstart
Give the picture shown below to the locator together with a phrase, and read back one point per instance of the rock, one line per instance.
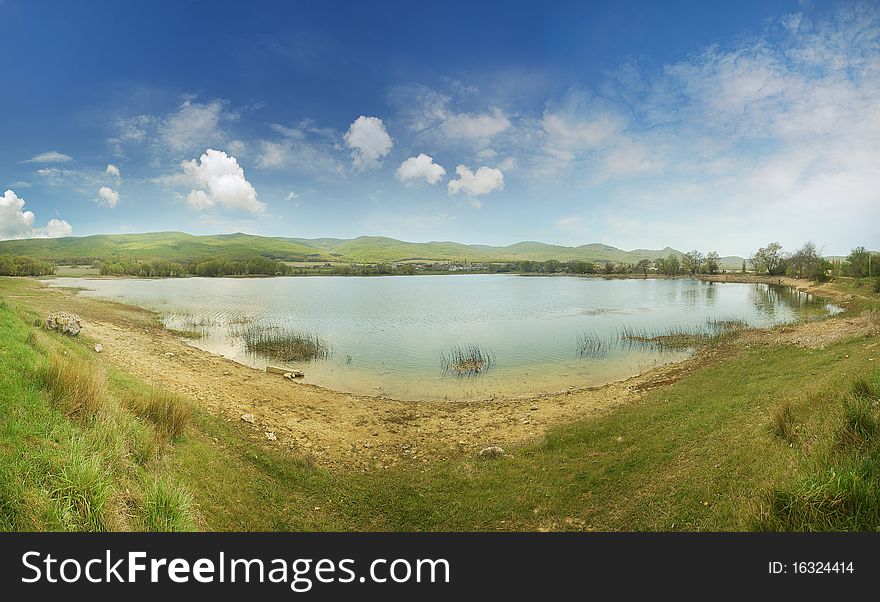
(271, 436)
(99, 348)
(534, 407)
(291, 374)
(169, 354)
(64, 323)
(491, 452)
(249, 418)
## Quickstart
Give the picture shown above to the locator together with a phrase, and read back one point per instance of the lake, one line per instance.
(388, 335)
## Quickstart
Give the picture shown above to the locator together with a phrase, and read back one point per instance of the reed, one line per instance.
(467, 360)
(285, 345)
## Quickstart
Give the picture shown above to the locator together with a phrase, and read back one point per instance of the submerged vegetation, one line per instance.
(467, 360)
(285, 345)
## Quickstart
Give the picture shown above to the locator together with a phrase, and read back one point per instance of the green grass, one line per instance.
(703, 453)
(72, 458)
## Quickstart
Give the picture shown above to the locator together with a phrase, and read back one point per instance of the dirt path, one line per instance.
(357, 432)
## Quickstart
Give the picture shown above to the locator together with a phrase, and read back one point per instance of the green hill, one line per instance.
(180, 247)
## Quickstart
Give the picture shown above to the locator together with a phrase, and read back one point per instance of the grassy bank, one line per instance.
(764, 437)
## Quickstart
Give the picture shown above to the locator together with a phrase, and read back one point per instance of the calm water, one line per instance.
(387, 333)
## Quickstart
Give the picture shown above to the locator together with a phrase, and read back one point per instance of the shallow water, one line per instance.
(387, 334)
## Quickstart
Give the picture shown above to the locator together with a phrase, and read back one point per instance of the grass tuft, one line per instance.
(83, 486)
(77, 387)
(167, 507)
(168, 412)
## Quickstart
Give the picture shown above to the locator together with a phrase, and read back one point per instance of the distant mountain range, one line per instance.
(180, 247)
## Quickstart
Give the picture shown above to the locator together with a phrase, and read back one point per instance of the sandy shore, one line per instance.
(367, 433)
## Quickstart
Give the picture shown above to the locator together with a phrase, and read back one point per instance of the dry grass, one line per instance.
(168, 412)
(77, 387)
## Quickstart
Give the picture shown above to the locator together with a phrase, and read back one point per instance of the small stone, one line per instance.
(169, 354)
(288, 375)
(534, 407)
(99, 348)
(491, 452)
(249, 418)
(271, 436)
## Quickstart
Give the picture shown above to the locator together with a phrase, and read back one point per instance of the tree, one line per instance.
(857, 262)
(643, 266)
(713, 262)
(806, 262)
(691, 262)
(767, 260)
(744, 266)
(671, 265)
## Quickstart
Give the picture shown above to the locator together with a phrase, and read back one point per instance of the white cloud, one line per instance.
(292, 196)
(483, 181)
(479, 128)
(15, 222)
(218, 180)
(421, 167)
(50, 157)
(112, 170)
(107, 197)
(56, 228)
(369, 141)
(429, 113)
(193, 125)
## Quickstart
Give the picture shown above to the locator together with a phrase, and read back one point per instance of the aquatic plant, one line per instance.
(590, 344)
(285, 345)
(467, 360)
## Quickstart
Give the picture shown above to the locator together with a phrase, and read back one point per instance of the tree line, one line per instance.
(22, 265)
(807, 262)
(161, 268)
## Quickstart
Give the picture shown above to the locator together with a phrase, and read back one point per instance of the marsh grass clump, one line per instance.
(285, 345)
(676, 338)
(590, 344)
(467, 360)
(169, 413)
(78, 388)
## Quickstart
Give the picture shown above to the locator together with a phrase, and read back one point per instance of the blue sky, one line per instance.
(644, 124)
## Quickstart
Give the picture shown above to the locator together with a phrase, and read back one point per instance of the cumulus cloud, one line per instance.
(112, 170)
(50, 157)
(369, 142)
(483, 181)
(15, 222)
(218, 181)
(421, 167)
(107, 197)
